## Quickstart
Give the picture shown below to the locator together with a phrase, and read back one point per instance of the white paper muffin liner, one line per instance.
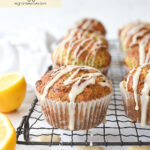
(129, 105)
(75, 116)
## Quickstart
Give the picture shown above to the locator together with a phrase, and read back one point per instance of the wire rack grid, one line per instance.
(117, 131)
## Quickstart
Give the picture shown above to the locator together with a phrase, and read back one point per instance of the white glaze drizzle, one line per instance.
(126, 29)
(144, 93)
(71, 115)
(93, 50)
(77, 50)
(142, 46)
(145, 99)
(81, 37)
(132, 31)
(148, 56)
(83, 50)
(91, 143)
(104, 84)
(87, 24)
(77, 87)
(128, 78)
(135, 85)
(69, 80)
(60, 74)
(48, 138)
(137, 35)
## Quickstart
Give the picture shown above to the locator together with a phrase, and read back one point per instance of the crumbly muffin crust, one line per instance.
(91, 25)
(132, 33)
(82, 48)
(139, 53)
(128, 80)
(60, 92)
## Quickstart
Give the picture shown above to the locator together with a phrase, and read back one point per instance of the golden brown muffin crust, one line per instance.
(77, 33)
(101, 50)
(142, 77)
(91, 25)
(60, 92)
(128, 33)
(129, 42)
(76, 49)
(133, 55)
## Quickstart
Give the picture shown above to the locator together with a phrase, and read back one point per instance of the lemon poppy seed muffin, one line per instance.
(74, 97)
(131, 33)
(84, 49)
(91, 25)
(139, 53)
(135, 89)
(79, 33)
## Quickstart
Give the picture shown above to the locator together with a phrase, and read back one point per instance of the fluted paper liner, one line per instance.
(75, 116)
(129, 106)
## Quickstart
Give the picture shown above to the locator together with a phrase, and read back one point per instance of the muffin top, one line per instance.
(137, 80)
(77, 33)
(139, 53)
(91, 25)
(82, 48)
(131, 33)
(73, 84)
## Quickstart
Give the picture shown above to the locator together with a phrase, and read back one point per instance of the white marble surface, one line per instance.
(113, 13)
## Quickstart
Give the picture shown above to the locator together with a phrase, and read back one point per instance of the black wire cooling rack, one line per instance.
(118, 129)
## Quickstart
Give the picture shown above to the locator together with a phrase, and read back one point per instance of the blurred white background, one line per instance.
(113, 13)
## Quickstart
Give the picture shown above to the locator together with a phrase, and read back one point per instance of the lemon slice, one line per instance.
(7, 134)
(12, 91)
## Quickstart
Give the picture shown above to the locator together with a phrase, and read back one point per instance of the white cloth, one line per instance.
(28, 52)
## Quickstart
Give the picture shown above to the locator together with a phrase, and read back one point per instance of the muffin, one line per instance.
(135, 89)
(139, 53)
(74, 97)
(131, 33)
(84, 49)
(79, 33)
(91, 25)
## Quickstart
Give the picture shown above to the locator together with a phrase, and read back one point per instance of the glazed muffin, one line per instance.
(131, 33)
(84, 49)
(135, 89)
(139, 53)
(79, 33)
(74, 97)
(91, 25)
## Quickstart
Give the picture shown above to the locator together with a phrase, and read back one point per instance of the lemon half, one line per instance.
(7, 134)
(12, 91)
